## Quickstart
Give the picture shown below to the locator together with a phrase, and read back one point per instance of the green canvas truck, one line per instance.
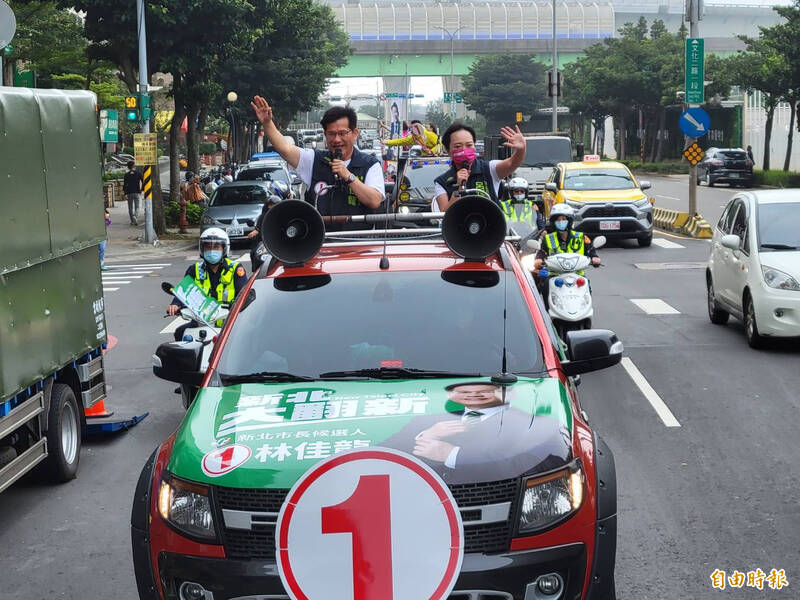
(52, 320)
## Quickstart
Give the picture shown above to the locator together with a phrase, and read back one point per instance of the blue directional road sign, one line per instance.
(694, 122)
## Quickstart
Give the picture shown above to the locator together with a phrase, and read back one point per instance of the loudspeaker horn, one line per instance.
(474, 228)
(293, 231)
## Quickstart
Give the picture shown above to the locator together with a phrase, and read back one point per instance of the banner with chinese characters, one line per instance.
(465, 429)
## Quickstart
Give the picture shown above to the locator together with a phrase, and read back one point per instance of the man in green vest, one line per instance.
(518, 208)
(563, 239)
(217, 275)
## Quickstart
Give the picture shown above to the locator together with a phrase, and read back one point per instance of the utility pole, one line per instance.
(149, 235)
(554, 81)
(693, 12)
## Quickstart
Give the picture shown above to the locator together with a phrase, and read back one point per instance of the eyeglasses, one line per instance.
(343, 133)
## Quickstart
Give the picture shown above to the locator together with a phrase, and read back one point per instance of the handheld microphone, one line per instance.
(337, 154)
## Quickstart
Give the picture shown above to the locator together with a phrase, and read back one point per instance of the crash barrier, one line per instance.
(680, 222)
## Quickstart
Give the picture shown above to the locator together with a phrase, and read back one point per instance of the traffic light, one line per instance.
(131, 108)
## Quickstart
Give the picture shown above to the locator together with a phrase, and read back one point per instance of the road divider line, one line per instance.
(666, 243)
(105, 289)
(114, 281)
(655, 306)
(140, 265)
(136, 274)
(173, 325)
(662, 410)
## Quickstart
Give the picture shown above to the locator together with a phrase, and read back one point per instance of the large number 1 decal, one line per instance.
(366, 515)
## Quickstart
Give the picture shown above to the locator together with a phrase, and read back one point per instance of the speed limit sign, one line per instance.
(369, 524)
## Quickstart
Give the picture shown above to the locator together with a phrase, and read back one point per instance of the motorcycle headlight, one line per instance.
(550, 498)
(187, 507)
(779, 280)
(208, 220)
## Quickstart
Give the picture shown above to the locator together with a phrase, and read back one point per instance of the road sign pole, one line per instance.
(693, 12)
(554, 80)
(149, 234)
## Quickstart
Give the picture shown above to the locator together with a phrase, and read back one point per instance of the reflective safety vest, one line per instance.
(526, 215)
(225, 291)
(575, 244)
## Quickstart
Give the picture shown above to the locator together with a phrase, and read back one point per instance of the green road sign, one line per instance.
(447, 96)
(109, 126)
(695, 70)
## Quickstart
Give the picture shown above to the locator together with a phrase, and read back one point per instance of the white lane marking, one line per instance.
(173, 325)
(141, 265)
(115, 281)
(668, 197)
(105, 289)
(115, 277)
(655, 306)
(243, 258)
(663, 411)
(666, 243)
(138, 274)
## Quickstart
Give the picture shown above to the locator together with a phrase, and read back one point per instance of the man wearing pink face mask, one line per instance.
(467, 171)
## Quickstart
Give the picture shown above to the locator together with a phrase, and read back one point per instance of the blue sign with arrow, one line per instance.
(694, 122)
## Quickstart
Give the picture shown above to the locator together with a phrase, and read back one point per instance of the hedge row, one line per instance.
(780, 179)
(661, 167)
(172, 211)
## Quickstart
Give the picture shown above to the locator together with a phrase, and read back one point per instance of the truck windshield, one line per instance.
(597, 179)
(547, 152)
(444, 321)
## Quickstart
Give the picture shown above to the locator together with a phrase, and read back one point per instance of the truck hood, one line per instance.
(629, 195)
(280, 430)
(534, 174)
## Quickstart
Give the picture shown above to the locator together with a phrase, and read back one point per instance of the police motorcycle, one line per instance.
(569, 296)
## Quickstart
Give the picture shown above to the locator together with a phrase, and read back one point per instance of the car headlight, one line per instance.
(643, 203)
(779, 280)
(208, 220)
(549, 498)
(575, 205)
(187, 507)
(404, 210)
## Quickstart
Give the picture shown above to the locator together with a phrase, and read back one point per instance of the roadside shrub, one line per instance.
(172, 212)
(672, 167)
(109, 175)
(779, 179)
(207, 147)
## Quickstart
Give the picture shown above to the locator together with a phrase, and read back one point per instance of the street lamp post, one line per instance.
(232, 97)
(452, 70)
(554, 80)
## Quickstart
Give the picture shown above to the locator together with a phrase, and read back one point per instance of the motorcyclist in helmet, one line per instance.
(217, 275)
(518, 208)
(562, 238)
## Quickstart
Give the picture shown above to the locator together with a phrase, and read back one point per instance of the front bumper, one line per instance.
(233, 238)
(509, 576)
(633, 222)
(777, 312)
(731, 176)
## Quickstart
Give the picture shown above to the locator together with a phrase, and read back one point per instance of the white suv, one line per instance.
(754, 268)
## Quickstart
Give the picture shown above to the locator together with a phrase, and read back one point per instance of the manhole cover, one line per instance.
(671, 266)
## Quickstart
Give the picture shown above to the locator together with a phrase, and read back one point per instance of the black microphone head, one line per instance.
(337, 154)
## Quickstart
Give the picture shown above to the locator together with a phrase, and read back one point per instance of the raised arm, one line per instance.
(289, 152)
(514, 139)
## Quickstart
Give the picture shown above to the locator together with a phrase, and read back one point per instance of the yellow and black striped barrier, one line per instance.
(698, 227)
(681, 222)
(148, 182)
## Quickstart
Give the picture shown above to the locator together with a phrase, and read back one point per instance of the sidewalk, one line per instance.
(124, 239)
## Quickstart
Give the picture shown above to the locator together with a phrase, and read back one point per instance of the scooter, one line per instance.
(569, 297)
(202, 332)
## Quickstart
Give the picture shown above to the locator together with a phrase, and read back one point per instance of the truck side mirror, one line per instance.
(591, 350)
(179, 362)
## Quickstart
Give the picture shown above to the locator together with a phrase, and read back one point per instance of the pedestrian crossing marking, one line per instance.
(173, 325)
(666, 243)
(115, 275)
(110, 289)
(655, 306)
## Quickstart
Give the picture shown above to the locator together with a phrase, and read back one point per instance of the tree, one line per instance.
(500, 85)
(785, 36)
(435, 114)
(763, 68)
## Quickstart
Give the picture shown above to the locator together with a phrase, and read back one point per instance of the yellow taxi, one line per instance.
(605, 196)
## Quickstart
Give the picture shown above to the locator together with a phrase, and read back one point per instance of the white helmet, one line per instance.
(215, 235)
(518, 183)
(562, 210)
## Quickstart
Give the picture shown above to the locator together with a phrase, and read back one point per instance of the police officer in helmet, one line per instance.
(563, 238)
(518, 208)
(217, 275)
(357, 177)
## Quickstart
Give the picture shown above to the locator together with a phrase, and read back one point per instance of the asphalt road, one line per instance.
(717, 492)
(672, 191)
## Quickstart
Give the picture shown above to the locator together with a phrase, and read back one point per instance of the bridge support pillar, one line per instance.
(395, 85)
